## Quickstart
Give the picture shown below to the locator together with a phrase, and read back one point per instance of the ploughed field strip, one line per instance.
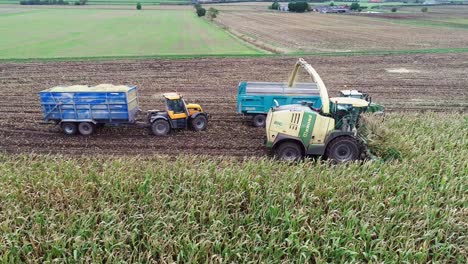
(312, 32)
(435, 82)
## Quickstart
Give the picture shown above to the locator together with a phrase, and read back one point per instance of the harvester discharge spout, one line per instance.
(315, 78)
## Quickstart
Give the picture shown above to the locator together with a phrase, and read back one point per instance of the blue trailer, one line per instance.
(255, 99)
(81, 108)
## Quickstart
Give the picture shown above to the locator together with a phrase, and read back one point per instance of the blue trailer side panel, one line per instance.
(100, 106)
(260, 102)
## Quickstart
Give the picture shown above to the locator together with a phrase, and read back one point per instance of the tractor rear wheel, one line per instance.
(343, 149)
(259, 121)
(288, 151)
(69, 128)
(199, 123)
(160, 127)
(86, 128)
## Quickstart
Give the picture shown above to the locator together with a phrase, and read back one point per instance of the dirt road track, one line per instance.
(417, 83)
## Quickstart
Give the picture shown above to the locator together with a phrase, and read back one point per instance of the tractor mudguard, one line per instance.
(199, 113)
(156, 117)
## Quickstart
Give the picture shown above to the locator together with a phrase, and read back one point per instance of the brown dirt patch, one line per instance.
(313, 32)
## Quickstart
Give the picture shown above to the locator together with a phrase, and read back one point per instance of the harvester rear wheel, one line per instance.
(259, 121)
(160, 127)
(86, 128)
(199, 123)
(343, 149)
(69, 128)
(288, 151)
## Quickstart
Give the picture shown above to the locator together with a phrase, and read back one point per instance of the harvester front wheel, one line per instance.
(86, 128)
(288, 151)
(199, 123)
(69, 128)
(160, 127)
(259, 121)
(343, 149)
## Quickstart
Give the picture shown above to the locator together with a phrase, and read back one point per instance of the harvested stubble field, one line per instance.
(404, 83)
(313, 32)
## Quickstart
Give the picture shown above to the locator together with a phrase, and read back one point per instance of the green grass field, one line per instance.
(52, 33)
(114, 2)
(208, 209)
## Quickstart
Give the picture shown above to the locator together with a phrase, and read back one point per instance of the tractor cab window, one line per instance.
(177, 106)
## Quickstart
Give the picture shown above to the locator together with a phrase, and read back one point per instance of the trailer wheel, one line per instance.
(343, 149)
(288, 151)
(199, 123)
(69, 128)
(86, 128)
(160, 127)
(259, 121)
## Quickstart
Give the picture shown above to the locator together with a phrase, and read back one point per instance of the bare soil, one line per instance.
(314, 32)
(438, 83)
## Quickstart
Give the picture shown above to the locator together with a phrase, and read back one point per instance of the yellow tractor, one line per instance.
(178, 115)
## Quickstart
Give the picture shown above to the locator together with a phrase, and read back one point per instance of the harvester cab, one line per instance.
(346, 112)
(294, 131)
(372, 108)
(178, 115)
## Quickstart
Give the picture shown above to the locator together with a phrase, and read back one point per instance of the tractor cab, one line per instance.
(178, 115)
(176, 109)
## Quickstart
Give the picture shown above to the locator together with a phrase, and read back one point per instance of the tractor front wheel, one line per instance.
(343, 149)
(288, 151)
(86, 128)
(199, 123)
(160, 127)
(69, 128)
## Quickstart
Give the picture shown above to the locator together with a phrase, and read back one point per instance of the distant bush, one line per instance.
(212, 13)
(394, 9)
(201, 11)
(298, 7)
(138, 6)
(274, 6)
(355, 6)
(424, 9)
(332, 4)
(81, 2)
